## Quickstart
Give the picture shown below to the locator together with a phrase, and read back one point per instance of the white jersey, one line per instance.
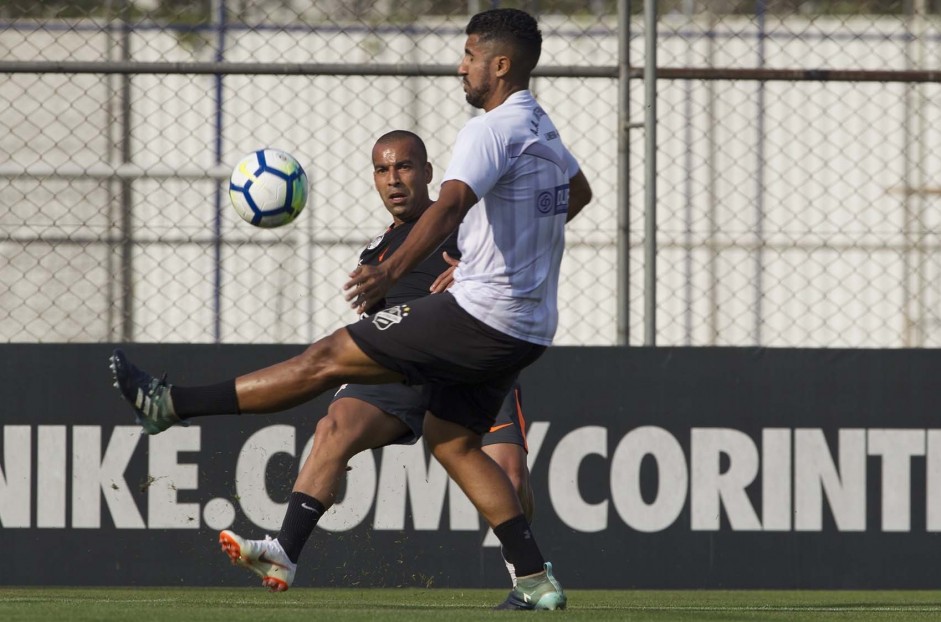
(511, 241)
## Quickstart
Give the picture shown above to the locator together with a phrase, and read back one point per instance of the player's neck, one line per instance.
(398, 222)
(502, 93)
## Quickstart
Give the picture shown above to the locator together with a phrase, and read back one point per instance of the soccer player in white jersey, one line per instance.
(514, 184)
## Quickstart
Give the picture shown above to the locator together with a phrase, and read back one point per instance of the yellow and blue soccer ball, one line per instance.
(268, 188)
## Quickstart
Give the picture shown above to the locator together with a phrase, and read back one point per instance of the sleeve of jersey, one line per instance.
(571, 163)
(479, 158)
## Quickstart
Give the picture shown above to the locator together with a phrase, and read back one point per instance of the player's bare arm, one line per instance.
(579, 195)
(369, 284)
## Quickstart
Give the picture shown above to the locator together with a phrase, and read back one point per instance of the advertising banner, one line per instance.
(652, 468)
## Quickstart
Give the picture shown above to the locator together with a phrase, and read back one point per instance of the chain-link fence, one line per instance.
(790, 212)
(801, 213)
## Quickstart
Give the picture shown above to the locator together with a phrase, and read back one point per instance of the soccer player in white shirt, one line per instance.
(513, 184)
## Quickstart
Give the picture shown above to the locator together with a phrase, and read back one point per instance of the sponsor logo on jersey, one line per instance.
(552, 201)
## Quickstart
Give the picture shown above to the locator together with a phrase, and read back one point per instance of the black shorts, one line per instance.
(407, 404)
(510, 425)
(398, 400)
(466, 367)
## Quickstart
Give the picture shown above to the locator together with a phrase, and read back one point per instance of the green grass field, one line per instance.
(257, 605)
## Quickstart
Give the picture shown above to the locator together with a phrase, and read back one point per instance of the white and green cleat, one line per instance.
(149, 397)
(539, 591)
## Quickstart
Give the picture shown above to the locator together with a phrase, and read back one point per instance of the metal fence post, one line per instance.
(624, 174)
(650, 173)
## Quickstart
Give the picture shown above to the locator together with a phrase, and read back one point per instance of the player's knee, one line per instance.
(512, 460)
(518, 475)
(515, 478)
(326, 429)
(332, 438)
(320, 361)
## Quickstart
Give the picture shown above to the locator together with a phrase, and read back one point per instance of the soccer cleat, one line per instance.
(265, 558)
(149, 397)
(538, 591)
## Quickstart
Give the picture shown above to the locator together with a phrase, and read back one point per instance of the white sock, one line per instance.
(509, 568)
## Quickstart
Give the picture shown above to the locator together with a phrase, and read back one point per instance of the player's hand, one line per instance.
(367, 286)
(446, 278)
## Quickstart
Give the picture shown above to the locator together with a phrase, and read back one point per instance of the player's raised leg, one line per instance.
(149, 397)
(327, 363)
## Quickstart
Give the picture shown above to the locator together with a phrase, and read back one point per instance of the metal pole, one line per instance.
(918, 177)
(760, 184)
(895, 76)
(127, 220)
(624, 174)
(907, 325)
(220, 10)
(688, 184)
(111, 319)
(712, 194)
(650, 173)
(914, 308)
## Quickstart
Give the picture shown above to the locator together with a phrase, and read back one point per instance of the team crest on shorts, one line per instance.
(390, 317)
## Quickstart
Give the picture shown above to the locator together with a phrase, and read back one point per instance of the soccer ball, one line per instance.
(268, 188)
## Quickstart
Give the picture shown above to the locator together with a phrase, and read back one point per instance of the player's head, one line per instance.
(502, 44)
(401, 172)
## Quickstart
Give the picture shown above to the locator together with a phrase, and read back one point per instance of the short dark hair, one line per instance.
(406, 135)
(512, 26)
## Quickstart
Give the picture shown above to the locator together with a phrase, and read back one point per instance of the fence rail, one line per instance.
(797, 159)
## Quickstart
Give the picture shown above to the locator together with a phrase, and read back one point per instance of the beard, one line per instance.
(477, 96)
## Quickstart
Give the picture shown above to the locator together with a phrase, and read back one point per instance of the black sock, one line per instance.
(303, 513)
(519, 546)
(212, 399)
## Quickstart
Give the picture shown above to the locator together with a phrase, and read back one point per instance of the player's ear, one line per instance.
(502, 64)
(429, 172)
